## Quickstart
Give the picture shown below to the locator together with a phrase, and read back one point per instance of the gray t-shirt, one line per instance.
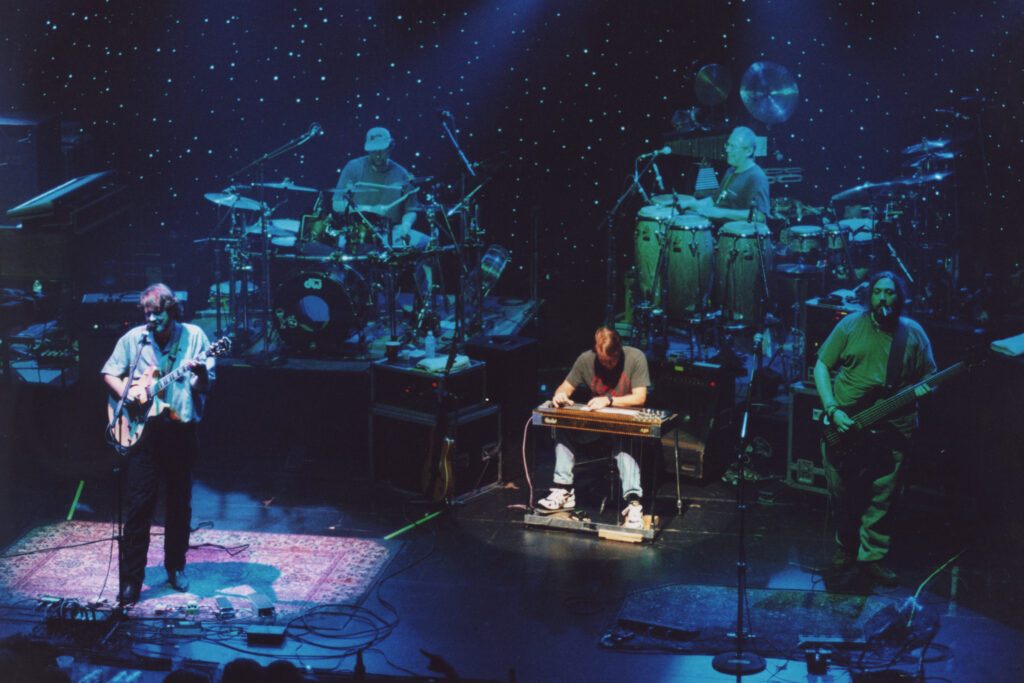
(745, 188)
(634, 373)
(186, 343)
(359, 175)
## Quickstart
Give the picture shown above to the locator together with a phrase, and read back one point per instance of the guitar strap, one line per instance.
(894, 368)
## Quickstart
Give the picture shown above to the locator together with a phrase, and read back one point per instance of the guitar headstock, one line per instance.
(219, 347)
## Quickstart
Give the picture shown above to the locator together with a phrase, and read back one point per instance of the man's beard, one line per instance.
(886, 316)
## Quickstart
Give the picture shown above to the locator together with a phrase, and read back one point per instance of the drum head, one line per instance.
(690, 221)
(321, 309)
(653, 212)
(744, 229)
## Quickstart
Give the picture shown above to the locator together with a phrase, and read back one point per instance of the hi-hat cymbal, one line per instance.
(287, 184)
(712, 84)
(769, 92)
(926, 146)
(278, 227)
(929, 157)
(234, 201)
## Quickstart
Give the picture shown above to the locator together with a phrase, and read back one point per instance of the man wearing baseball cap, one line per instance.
(378, 187)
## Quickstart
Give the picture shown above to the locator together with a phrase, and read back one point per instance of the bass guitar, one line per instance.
(864, 419)
(130, 425)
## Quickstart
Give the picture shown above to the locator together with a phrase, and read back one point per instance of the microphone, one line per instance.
(444, 114)
(954, 114)
(664, 150)
(315, 129)
(657, 177)
(750, 216)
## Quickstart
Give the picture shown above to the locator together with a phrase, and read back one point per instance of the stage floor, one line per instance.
(479, 589)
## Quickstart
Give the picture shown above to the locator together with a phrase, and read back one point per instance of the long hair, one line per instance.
(159, 298)
(901, 288)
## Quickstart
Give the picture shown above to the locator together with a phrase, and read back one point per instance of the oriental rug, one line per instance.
(293, 573)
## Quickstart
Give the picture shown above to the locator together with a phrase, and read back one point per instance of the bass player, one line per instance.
(862, 471)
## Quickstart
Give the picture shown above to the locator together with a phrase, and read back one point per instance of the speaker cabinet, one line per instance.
(400, 445)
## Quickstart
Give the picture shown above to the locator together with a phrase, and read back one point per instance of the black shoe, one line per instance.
(842, 559)
(178, 579)
(129, 594)
(881, 575)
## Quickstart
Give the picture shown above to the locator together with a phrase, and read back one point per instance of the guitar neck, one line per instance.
(174, 376)
(871, 415)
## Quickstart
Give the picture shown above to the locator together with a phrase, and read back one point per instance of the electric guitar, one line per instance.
(869, 416)
(128, 428)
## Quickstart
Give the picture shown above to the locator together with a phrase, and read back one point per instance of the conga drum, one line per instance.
(738, 281)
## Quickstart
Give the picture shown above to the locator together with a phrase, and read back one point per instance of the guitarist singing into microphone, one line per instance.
(165, 447)
(876, 353)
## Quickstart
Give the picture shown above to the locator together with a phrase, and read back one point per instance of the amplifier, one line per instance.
(702, 394)
(402, 385)
(822, 317)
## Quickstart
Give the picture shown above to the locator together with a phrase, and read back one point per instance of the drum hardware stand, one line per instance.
(259, 164)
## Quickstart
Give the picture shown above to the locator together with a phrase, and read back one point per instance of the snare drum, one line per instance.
(738, 279)
(321, 309)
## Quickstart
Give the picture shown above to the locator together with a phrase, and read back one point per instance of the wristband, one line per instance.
(831, 410)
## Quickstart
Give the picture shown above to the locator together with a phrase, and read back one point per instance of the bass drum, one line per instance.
(320, 310)
(738, 280)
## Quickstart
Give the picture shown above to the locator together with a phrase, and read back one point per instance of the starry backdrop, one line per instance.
(557, 98)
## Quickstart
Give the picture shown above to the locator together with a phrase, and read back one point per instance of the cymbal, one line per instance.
(929, 156)
(287, 184)
(926, 145)
(769, 92)
(234, 201)
(712, 84)
(278, 227)
(895, 185)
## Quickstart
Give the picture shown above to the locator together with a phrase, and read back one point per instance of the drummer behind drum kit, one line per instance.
(333, 273)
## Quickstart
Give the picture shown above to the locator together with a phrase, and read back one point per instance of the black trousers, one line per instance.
(164, 456)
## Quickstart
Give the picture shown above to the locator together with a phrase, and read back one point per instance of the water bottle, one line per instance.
(430, 345)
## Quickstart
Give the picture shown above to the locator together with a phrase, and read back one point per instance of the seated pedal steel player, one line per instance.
(615, 376)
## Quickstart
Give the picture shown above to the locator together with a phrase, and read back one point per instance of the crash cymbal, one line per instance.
(928, 157)
(287, 184)
(926, 145)
(769, 92)
(234, 201)
(712, 84)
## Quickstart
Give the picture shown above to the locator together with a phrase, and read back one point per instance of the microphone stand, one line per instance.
(122, 450)
(606, 224)
(740, 662)
(470, 238)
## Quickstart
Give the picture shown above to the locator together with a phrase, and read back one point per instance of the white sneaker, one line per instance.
(634, 514)
(559, 499)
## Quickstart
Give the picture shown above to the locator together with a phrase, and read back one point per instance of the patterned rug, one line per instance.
(294, 572)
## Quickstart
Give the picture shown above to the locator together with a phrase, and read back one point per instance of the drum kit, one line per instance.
(334, 275)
